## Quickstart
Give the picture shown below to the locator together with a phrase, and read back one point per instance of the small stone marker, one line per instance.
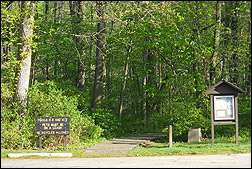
(194, 135)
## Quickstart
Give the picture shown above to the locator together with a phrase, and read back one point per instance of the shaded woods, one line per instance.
(120, 68)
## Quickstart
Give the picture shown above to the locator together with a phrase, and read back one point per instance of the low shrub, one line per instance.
(46, 100)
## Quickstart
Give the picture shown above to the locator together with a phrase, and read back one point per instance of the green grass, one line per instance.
(221, 146)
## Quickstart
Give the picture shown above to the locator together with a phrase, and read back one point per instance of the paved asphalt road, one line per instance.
(187, 161)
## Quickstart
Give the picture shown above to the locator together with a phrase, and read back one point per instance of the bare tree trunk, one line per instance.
(75, 10)
(144, 88)
(47, 60)
(100, 70)
(33, 70)
(61, 3)
(91, 38)
(248, 78)
(54, 15)
(25, 52)
(234, 75)
(124, 83)
(79, 47)
(216, 42)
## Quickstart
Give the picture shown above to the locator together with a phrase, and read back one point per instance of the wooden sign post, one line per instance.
(224, 105)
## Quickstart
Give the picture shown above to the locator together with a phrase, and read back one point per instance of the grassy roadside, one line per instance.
(222, 146)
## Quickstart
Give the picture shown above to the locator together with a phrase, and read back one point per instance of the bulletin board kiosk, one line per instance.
(224, 105)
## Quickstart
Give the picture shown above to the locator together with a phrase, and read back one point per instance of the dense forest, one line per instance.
(120, 68)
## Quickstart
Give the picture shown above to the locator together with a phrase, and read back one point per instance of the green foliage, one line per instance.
(244, 110)
(169, 53)
(187, 116)
(105, 118)
(47, 101)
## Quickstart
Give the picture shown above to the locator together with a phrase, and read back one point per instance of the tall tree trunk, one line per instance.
(33, 61)
(78, 42)
(216, 42)
(25, 52)
(248, 79)
(100, 70)
(61, 3)
(91, 38)
(56, 56)
(144, 87)
(124, 83)
(33, 69)
(82, 65)
(47, 60)
(195, 48)
(75, 9)
(234, 28)
(108, 66)
(151, 83)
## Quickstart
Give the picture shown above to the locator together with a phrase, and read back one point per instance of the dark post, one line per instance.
(212, 120)
(40, 137)
(40, 142)
(65, 135)
(236, 120)
(64, 141)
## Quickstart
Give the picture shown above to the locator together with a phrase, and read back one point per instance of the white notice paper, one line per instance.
(224, 107)
(220, 113)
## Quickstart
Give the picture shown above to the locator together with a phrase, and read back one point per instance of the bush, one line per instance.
(46, 100)
(244, 106)
(187, 117)
(106, 119)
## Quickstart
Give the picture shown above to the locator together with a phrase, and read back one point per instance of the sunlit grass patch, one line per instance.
(221, 146)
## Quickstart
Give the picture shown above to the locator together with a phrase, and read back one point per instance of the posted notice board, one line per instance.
(224, 107)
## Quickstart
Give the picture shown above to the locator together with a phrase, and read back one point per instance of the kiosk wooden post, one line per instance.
(224, 105)
(212, 120)
(236, 124)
